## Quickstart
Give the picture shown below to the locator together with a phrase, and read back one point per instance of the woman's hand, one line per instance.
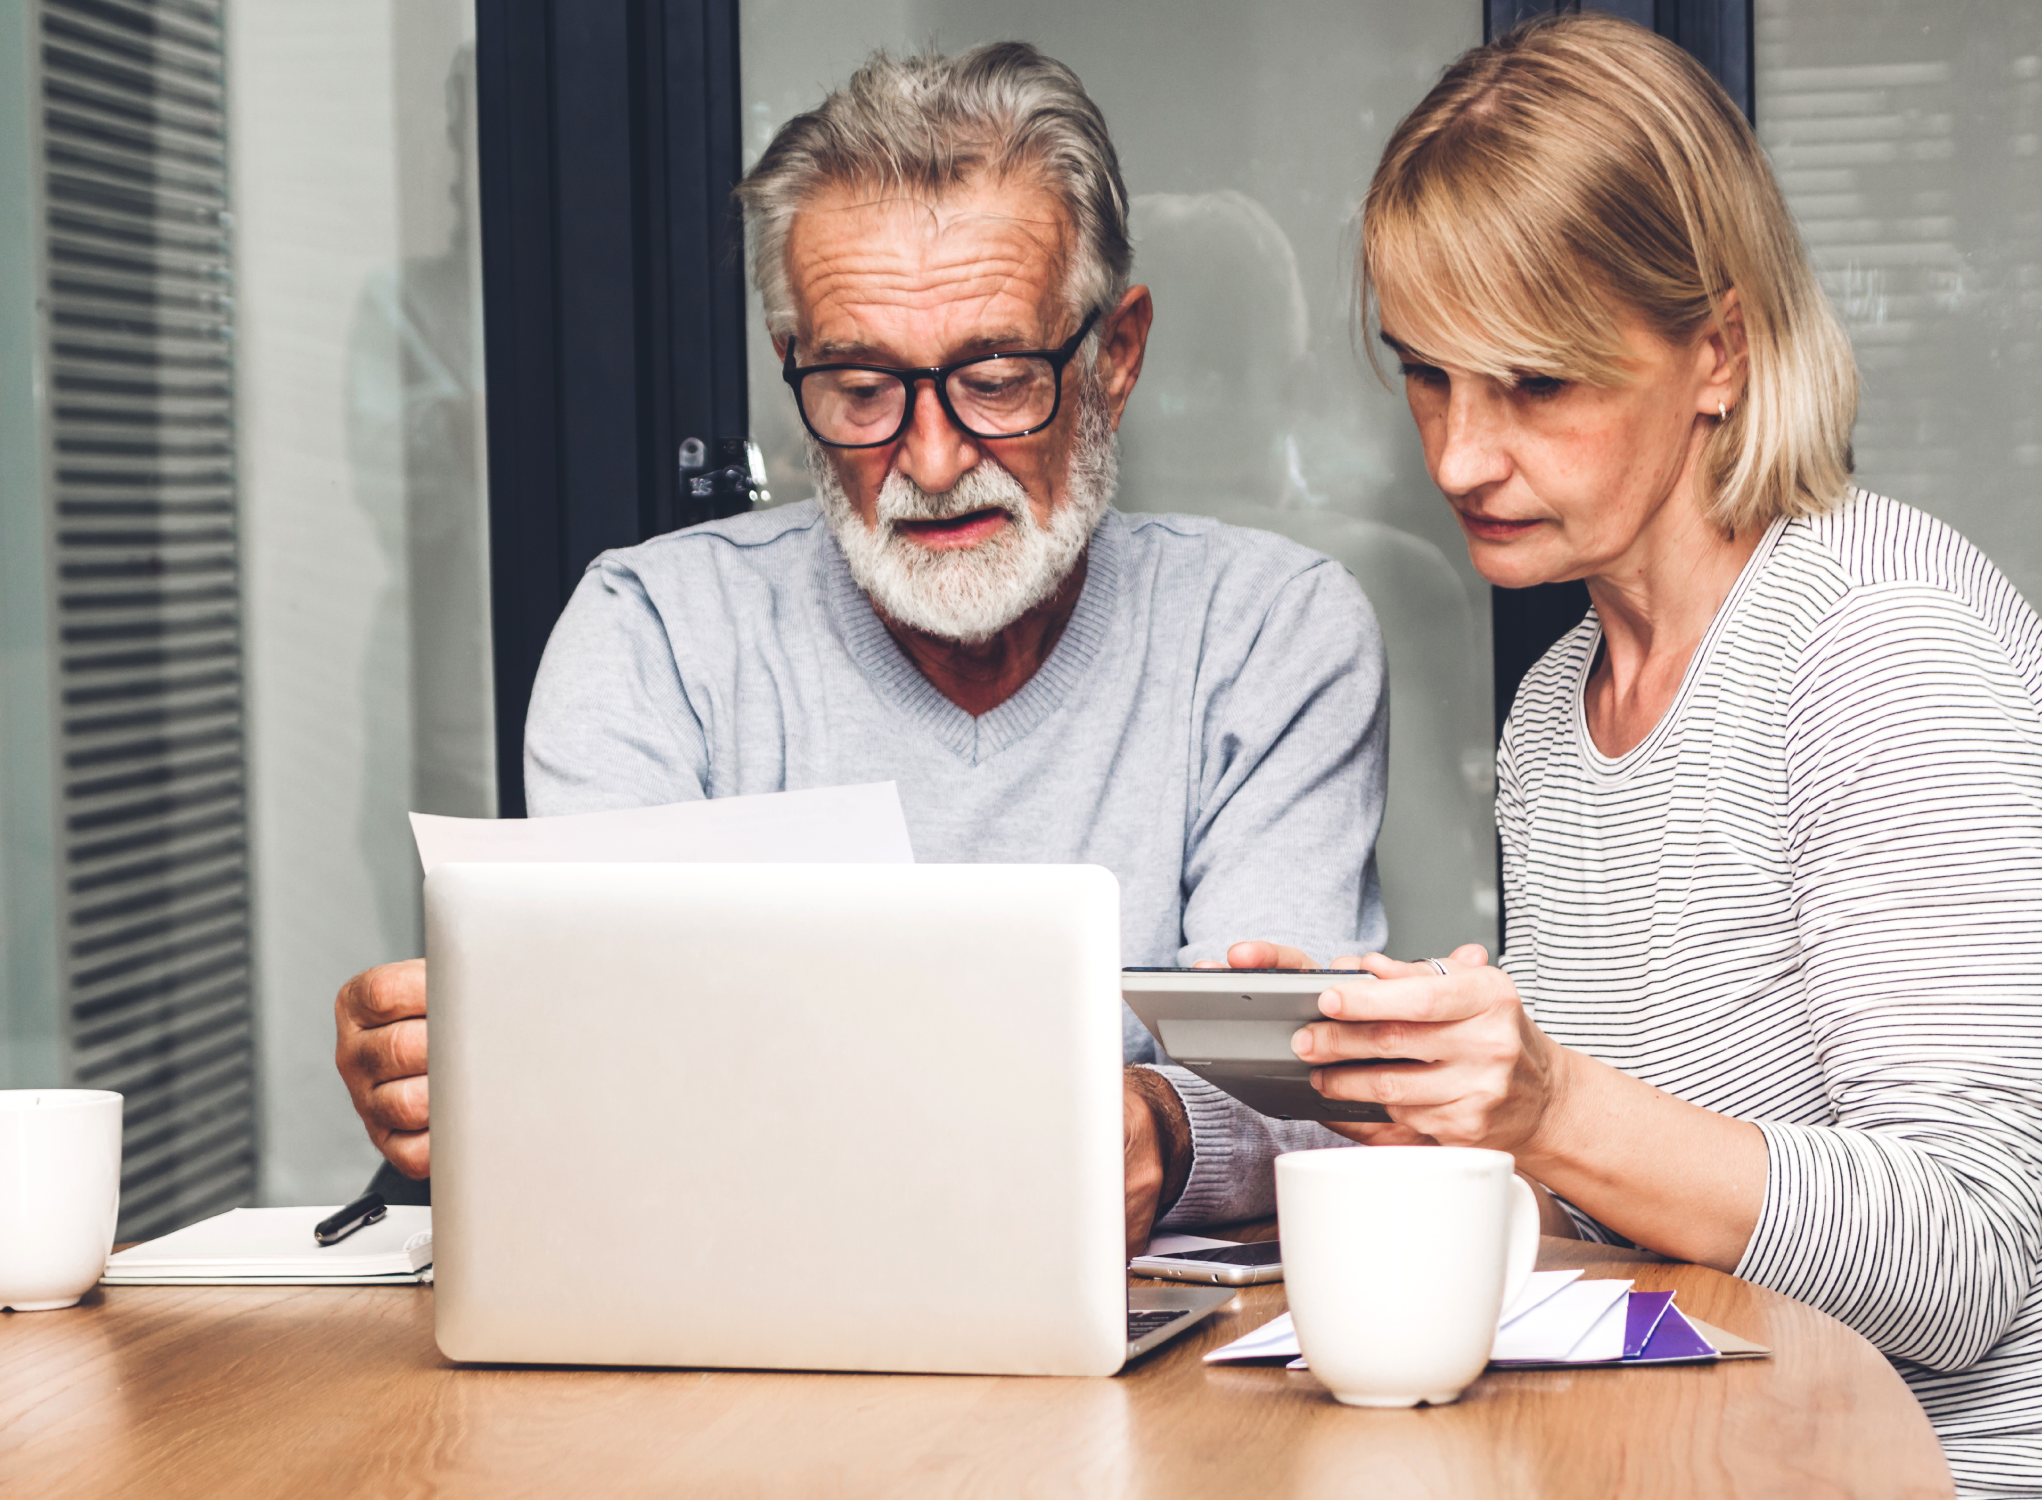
(1456, 1061)
(1465, 1065)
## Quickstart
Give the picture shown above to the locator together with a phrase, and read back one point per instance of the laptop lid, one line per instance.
(770, 1116)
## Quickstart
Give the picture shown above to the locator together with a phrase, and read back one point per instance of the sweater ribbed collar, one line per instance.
(899, 682)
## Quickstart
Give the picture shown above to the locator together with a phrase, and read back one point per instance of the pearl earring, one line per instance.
(1721, 414)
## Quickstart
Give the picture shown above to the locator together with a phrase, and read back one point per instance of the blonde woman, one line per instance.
(1771, 998)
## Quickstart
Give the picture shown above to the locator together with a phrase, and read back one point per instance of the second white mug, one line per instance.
(1397, 1261)
(60, 1192)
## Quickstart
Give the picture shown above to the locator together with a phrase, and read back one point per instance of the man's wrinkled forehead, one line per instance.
(984, 261)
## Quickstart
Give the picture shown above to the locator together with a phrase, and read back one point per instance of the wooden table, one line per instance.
(305, 1391)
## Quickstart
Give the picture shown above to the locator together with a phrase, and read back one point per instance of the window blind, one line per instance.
(153, 817)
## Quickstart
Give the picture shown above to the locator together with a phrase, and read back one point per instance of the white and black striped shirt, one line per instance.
(1812, 899)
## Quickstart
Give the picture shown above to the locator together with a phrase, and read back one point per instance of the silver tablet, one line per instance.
(1232, 1027)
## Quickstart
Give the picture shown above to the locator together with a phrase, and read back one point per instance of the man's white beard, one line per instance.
(971, 594)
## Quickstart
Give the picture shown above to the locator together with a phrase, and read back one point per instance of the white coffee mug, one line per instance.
(1397, 1261)
(60, 1192)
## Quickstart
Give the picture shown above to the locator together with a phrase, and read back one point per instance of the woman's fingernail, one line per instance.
(1301, 1043)
(1329, 1002)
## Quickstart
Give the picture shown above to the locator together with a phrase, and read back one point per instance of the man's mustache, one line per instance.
(903, 500)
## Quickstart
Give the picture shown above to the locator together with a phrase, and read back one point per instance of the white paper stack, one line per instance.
(1557, 1318)
(274, 1247)
(1580, 1323)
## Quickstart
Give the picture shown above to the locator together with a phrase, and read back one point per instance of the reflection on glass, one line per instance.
(417, 415)
(1246, 140)
(1229, 377)
(415, 425)
(359, 436)
(1909, 144)
(1227, 410)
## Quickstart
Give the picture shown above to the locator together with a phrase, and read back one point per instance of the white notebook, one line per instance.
(274, 1247)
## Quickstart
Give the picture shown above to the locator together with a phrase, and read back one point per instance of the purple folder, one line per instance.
(1643, 1316)
(1672, 1341)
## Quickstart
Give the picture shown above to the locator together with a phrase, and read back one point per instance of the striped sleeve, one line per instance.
(1914, 836)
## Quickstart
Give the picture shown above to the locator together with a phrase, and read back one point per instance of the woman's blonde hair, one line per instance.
(1580, 168)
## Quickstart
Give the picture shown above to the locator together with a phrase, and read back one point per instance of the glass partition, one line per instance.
(1246, 134)
(1909, 143)
(360, 437)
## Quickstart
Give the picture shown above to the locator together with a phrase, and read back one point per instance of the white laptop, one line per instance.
(821, 1117)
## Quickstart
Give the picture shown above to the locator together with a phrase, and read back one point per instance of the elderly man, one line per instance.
(943, 253)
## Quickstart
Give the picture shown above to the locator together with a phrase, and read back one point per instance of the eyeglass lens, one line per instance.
(992, 398)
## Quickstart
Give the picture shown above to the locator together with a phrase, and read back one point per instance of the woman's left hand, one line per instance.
(1469, 1068)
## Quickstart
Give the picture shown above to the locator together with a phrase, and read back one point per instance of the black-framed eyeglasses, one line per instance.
(1005, 395)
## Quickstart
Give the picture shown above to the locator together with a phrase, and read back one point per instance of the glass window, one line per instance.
(1246, 135)
(361, 441)
(1908, 140)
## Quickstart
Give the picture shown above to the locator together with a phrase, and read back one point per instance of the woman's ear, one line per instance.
(1723, 358)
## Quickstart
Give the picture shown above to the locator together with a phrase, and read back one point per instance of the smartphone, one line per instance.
(1223, 1265)
(1232, 1027)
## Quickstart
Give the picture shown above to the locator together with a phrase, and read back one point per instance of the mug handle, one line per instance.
(1524, 1238)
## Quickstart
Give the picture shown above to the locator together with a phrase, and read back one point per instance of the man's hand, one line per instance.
(1271, 956)
(379, 1047)
(1157, 1143)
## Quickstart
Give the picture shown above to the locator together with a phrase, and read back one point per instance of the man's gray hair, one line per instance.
(929, 124)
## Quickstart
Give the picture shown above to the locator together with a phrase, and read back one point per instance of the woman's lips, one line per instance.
(1494, 528)
(967, 530)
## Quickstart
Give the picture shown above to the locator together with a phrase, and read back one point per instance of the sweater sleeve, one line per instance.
(1914, 836)
(1234, 1151)
(610, 723)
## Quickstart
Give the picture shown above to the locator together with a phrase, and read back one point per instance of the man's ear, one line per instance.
(1121, 347)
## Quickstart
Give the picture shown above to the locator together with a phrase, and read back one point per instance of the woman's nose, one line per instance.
(1472, 450)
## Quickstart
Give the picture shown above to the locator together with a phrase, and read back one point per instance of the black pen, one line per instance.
(366, 1209)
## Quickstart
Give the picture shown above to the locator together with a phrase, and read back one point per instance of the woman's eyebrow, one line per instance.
(1402, 350)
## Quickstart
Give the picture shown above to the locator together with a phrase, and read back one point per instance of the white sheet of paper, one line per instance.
(1277, 1339)
(1604, 1341)
(1538, 1286)
(821, 826)
(1557, 1326)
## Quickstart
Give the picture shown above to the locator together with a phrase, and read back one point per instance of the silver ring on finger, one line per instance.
(1437, 964)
